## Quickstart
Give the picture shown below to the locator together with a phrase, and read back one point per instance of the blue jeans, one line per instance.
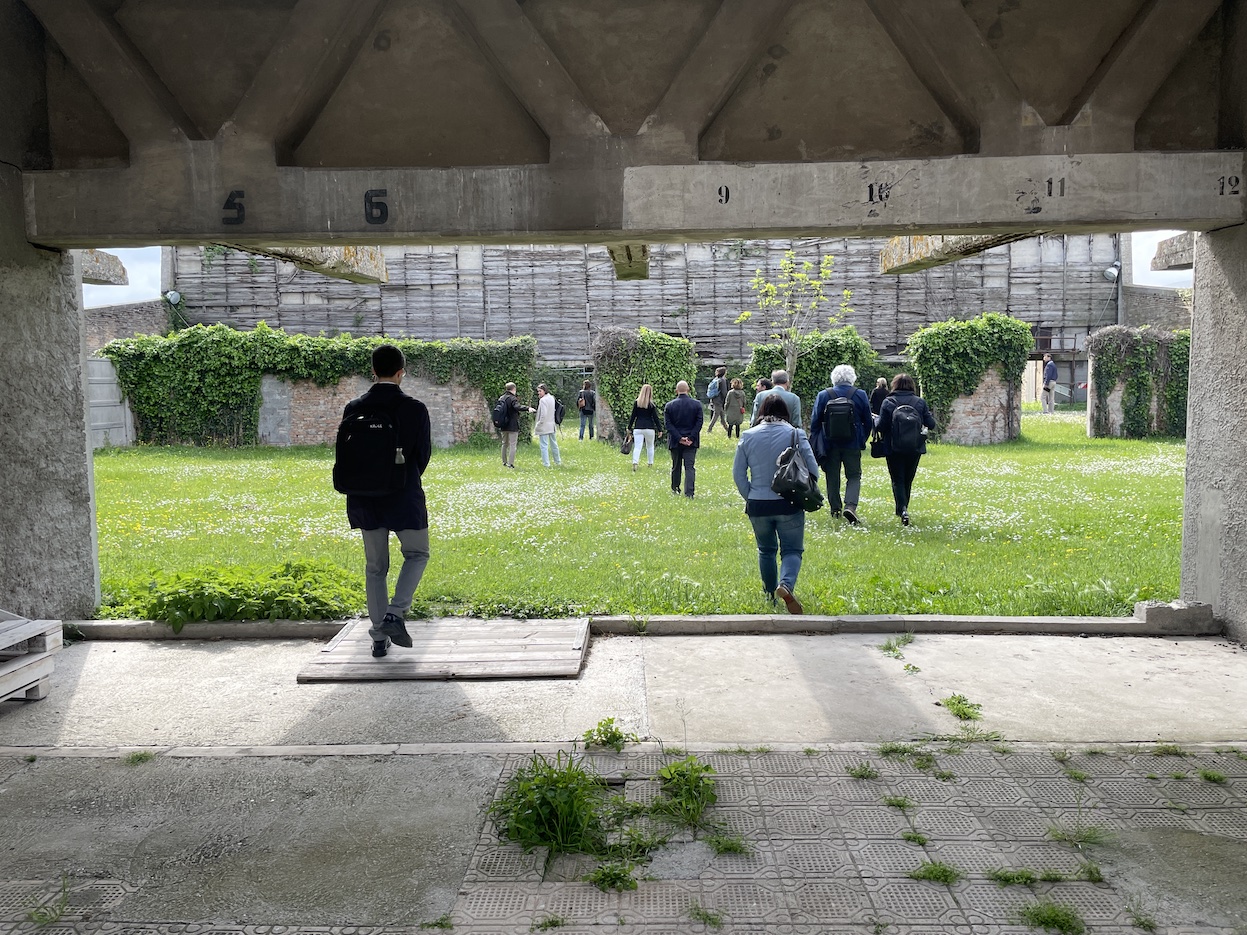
(548, 445)
(785, 533)
(587, 418)
(415, 548)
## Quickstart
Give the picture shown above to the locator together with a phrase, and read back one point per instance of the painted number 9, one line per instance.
(725, 194)
(376, 211)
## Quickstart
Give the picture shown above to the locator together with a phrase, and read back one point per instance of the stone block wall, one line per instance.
(990, 415)
(110, 322)
(302, 413)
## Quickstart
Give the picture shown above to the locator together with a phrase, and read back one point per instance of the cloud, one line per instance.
(143, 269)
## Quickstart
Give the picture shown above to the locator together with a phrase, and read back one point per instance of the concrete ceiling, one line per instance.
(155, 111)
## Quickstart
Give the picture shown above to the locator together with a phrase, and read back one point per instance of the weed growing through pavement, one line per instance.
(1177, 774)
(944, 775)
(705, 916)
(1080, 834)
(52, 910)
(1052, 917)
(895, 750)
(548, 923)
(1062, 756)
(902, 803)
(923, 761)
(613, 875)
(725, 843)
(1006, 877)
(552, 803)
(1140, 917)
(608, 734)
(894, 644)
(1075, 775)
(936, 872)
(1089, 872)
(1211, 775)
(863, 771)
(1052, 876)
(687, 790)
(441, 922)
(1168, 749)
(31, 758)
(138, 757)
(914, 837)
(911, 669)
(962, 708)
(811, 751)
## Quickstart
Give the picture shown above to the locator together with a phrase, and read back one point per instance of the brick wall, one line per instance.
(1113, 407)
(1155, 306)
(110, 322)
(991, 414)
(302, 413)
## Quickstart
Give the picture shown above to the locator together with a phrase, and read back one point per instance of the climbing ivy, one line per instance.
(819, 352)
(951, 357)
(623, 360)
(202, 385)
(1152, 366)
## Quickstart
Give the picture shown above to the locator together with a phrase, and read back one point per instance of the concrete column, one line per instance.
(1214, 526)
(48, 556)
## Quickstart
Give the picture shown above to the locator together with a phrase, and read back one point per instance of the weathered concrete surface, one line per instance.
(990, 415)
(48, 563)
(914, 254)
(354, 264)
(1214, 525)
(1175, 252)
(102, 269)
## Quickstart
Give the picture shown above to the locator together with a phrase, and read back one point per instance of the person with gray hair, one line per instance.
(840, 425)
(780, 380)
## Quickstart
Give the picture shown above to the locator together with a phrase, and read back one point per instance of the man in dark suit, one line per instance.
(403, 512)
(683, 416)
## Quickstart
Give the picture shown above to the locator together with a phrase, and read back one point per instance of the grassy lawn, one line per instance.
(1054, 523)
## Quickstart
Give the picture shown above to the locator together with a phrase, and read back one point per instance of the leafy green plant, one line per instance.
(53, 909)
(901, 802)
(893, 645)
(863, 771)
(614, 875)
(1140, 917)
(1211, 775)
(951, 357)
(138, 757)
(896, 750)
(710, 917)
(554, 804)
(914, 837)
(441, 922)
(549, 923)
(687, 790)
(724, 843)
(1089, 871)
(962, 708)
(923, 761)
(1152, 366)
(1062, 756)
(1168, 749)
(1052, 917)
(944, 775)
(1009, 877)
(608, 734)
(634, 845)
(1080, 835)
(911, 669)
(1052, 876)
(1075, 775)
(936, 871)
(623, 360)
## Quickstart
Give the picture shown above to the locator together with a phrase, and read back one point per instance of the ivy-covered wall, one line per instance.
(1139, 380)
(624, 360)
(819, 353)
(202, 385)
(951, 358)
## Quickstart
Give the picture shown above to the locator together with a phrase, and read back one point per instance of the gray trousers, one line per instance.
(509, 441)
(415, 548)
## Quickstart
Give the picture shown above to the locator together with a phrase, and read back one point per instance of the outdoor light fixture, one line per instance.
(1112, 272)
(173, 297)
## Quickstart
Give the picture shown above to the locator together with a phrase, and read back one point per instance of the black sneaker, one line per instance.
(392, 626)
(850, 517)
(904, 517)
(379, 647)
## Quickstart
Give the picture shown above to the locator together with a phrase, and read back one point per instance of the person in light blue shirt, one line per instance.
(779, 381)
(778, 525)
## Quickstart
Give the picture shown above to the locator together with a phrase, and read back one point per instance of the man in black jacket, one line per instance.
(683, 416)
(511, 428)
(404, 512)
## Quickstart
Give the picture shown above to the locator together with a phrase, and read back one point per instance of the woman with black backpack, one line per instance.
(904, 420)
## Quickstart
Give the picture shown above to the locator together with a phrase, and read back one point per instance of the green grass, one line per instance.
(1052, 917)
(936, 872)
(1005, 529)
(962, 708)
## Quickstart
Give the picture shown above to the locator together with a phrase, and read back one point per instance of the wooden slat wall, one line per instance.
(561, 293)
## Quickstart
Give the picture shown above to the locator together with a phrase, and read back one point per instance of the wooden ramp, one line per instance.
(457, 649)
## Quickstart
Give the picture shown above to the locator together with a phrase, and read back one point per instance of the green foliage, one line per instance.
(442, 922)
(863, 771)
(789, 305)
(51, 911)
(687, 790)
(951, 357)
(613, 875)
(608, 734)
(705, 916)
(1006, 877)
(1211, 775)
(1168, 749)
(624, 360)
(554, 804)
(549, 923)
(896, 750)
(820, 352)
(903, 803)
(914, 837)
(201, 385)
(893, 645)
(302, 590)
(1052, 917)
(935, 871)
(724, 843)
(962, 708)
(1152, 365)
(1089, 871)
(138, 757)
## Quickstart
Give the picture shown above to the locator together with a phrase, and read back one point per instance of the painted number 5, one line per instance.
(234, 203)
(376, 211)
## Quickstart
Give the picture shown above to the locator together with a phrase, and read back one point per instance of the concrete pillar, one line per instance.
(48, 555)
(1214, 526)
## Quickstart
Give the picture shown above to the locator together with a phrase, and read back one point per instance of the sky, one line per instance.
(143, 267)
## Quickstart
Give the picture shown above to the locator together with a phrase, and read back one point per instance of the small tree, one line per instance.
(790, 304)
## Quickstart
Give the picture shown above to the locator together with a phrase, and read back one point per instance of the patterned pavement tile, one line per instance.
(737, 791)
(499, 902)
(926, 791)
(946, 823)
(1015, 824)
(968, 857)
(1095, 903)
(975, 765)
(660, 903)
(827, 902)
(886, 858)
(915, 901)
(780, 790)
(760, 863)
(995, 791)
(1230, 823)
(814, 859)
(787, 764)
(747, 902)
(505, 863)
(870, 822)
(1126, 818)
(799, 821)
(748, 820)
(846, 792)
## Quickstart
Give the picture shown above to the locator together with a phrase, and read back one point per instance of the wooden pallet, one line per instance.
(26, 661)
(457, 649)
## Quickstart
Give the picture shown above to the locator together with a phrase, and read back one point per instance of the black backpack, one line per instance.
(368, 455)
(840, 421)
(559, 412)
(501, 413)
(905, 437)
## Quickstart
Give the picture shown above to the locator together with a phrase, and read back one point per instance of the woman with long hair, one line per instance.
(734, 407)
(644, 425)
(904, 420)
(778, 525)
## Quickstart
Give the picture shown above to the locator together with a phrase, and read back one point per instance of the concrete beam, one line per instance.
(115, 71)
(102, 269)
(198, 200)
(914, 254)
(354, 264)
(1175, 253)
(631, 260)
